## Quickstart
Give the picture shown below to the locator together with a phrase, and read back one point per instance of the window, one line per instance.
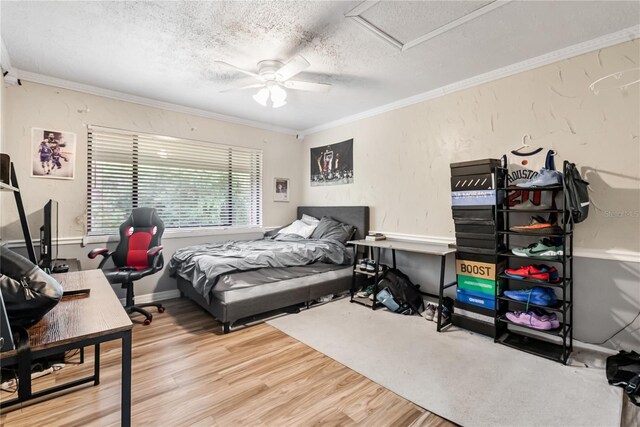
(192, 184)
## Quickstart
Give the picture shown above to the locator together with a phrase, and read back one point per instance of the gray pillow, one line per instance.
(329, 228)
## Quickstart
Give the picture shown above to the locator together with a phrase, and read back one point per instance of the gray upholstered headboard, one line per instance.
(354, 215)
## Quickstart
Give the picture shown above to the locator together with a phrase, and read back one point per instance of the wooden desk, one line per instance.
(424, 248)
(75, 323)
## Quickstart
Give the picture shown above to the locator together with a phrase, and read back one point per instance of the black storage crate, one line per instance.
(474, 167)
(474, 228)
(479, 241)
(485, 181)
(474, 214)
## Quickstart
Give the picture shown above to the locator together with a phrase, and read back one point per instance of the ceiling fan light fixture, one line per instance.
(278, 94)
(262, 96)
(272, 92)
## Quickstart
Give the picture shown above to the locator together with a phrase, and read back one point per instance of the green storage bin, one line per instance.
(477, 285)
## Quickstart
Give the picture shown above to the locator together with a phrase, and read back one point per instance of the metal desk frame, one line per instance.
(424, 248)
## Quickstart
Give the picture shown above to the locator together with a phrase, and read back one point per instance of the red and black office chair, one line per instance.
(138, 254)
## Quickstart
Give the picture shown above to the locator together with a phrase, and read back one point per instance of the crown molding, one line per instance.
(602, 42)
(121, 96)
(5, 59)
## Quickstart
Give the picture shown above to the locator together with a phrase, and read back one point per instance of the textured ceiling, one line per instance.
(166, 50)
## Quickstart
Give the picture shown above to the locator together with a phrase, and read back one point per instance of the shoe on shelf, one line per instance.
(366, 292)
(368, 265)
(429, 312)
(528, 319)
(540, 272)
(371, 265)
(528, 205)
(542, 249)
(545, 178)
(537, 225)
(537, 295)
(545, 316)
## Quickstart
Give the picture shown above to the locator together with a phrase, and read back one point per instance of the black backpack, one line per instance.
(577, 194)
(27, 291)
(623, 370)
(403, 290)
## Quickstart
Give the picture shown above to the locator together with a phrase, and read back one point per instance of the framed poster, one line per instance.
(53, 154)
(332, 164)
(281, 189)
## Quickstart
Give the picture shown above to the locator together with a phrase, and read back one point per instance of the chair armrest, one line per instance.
(158, 259)
(154, 251)
(105, 256)
(101, 251)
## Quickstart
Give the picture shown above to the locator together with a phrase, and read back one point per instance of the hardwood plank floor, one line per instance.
(186, 372)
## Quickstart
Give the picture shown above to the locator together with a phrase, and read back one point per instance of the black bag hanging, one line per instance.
(402, 289)
(28, 292)
(577, 193)
(623, 370)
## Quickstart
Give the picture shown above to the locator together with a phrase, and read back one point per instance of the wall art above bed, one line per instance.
(332, 164)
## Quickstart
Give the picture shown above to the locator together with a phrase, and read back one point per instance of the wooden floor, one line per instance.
(185, 372)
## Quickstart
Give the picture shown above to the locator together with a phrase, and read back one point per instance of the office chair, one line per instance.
(137, 255)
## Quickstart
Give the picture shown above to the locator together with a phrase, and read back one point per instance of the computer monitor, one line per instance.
(49, 236)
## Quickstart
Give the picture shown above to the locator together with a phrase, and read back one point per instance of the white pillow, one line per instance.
(300, 228)
(309, 220)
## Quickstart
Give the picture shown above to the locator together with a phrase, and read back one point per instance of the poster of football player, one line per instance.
(53, 154)
(332, 164)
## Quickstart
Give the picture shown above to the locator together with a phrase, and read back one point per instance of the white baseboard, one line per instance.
(156, 296)
(579, 345)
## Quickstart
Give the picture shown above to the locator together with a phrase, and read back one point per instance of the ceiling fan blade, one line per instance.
(307, 86)
(249, 73)
(291, 68)
(242, 87)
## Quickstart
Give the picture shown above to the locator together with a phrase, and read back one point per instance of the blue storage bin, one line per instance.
(476, 299)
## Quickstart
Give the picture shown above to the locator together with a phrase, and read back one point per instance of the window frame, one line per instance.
(257, 184)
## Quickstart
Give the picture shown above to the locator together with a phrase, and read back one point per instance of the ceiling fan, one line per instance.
(274, 77)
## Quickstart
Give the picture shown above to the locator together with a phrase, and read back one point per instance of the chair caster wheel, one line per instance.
(146, 322)
(160, 309)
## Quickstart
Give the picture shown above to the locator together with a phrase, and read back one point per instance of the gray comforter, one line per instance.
(202, 265)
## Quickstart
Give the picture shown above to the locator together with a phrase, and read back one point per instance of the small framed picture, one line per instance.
(281, 189)
(53, 154)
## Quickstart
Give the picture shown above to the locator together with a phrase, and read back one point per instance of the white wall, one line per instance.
(36, 105)
(402, 157)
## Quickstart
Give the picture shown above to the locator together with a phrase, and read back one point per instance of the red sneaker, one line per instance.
(528, 272)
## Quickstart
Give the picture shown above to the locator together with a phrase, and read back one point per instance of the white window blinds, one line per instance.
(190, 183)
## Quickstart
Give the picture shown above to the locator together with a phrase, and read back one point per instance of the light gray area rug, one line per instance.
(461, 376)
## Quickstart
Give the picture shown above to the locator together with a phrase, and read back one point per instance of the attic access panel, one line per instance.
(408, 23)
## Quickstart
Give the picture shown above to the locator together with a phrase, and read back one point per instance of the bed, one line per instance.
(238, 294)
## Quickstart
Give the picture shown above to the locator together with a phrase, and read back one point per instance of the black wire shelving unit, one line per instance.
(555, 344)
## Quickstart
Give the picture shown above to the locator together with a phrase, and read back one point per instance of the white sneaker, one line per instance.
(429, 312)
